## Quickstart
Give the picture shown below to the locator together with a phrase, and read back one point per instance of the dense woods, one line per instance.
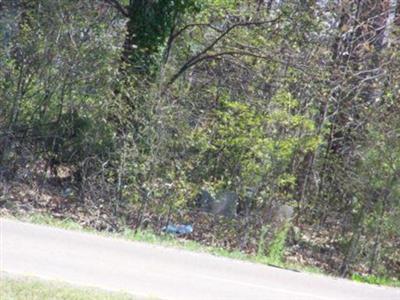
(255, 121)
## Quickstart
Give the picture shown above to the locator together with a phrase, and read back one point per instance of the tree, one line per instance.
(148, 26)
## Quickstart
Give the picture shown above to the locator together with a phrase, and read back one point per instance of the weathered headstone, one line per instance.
(225, 204)
(284, 213)
(278, 214)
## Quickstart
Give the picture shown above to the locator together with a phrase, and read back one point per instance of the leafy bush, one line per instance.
(276, 248)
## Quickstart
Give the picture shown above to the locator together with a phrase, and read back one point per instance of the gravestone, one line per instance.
(225, 204)
(278, 214)
(284, 213)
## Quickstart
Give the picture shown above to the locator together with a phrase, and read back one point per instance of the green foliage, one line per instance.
(261, 247)
(72, 138)
(246, 147)
(149, 25)
(57, 76)
(264, 99)
(372, 279)
(276, 249)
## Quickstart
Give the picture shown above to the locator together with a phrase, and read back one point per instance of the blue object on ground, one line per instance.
(178, 229)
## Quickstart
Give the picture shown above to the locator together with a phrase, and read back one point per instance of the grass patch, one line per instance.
(372, 279)
(34, 289)
(49, 220)
(277, 247)
(170, 240)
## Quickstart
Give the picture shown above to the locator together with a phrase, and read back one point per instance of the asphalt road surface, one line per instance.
(165, 273)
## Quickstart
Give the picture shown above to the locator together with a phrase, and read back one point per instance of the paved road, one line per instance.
(156, 271)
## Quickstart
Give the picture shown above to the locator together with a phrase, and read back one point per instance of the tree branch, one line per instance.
(118, 6)
(198, 59)
(201, 55)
